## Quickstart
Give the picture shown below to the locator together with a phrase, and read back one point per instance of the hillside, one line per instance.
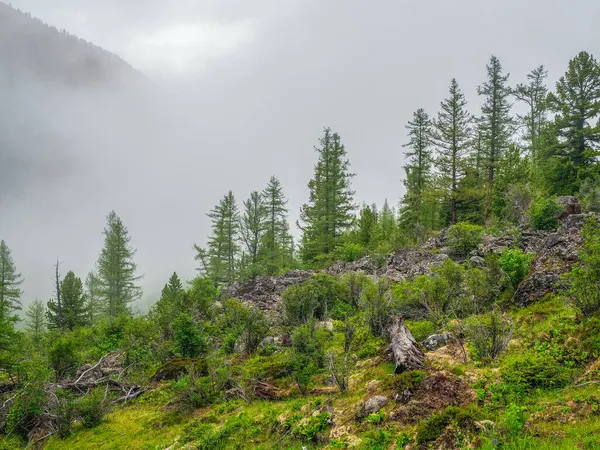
(31, 48)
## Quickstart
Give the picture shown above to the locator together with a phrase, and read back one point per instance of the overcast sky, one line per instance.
(250, 86)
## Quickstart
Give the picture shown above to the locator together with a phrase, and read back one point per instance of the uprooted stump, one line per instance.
(404, 349)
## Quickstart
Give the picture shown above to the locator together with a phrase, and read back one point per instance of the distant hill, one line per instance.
(31, 48)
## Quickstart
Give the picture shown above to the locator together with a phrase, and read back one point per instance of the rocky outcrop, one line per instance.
(436, 341)
(265, 292)
(371, 406)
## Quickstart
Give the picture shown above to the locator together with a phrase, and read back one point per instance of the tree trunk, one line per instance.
(407, 354)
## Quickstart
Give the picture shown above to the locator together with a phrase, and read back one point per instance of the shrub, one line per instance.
(515, 264)
(488, 333)
(189, 340)
(64, 413)
(584, 279)
(308, 356)
(316, 297)
(589, 194)
(420, 329)
(195, 391)
(430, 429)
(533, 370)
(376, 301)
(464, 237)
(544, 213)
(63, 357)
(313, 426)
(24, 412)
(349, 252)
(356, 283)
(91, 408)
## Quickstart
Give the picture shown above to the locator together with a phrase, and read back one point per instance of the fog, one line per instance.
(232, 94)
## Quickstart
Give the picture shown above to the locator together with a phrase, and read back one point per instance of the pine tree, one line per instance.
(169, 306)
(10, 286)
(418, 168)
(116, 269)
(534, 95)
(367, 225)
(275, 243)
(328, 213)
(252, 229)
(496, 123)
(386, 224)
(219, 260)
(452, 136)
(93, 297)
(35, 314)
(73, 312)
(577, 105)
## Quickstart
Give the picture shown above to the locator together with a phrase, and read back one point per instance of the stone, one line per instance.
(570, 206)
(436, 341)
(325, 325)
(372, 405)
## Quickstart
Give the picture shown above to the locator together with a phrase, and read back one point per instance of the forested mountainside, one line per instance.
(31, 48)
(466, 318)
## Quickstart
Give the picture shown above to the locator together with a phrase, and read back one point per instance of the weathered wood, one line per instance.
(405, 351)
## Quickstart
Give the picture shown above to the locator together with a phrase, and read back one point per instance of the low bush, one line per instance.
(532, 370)
(464, 237)
(489, 334)
(544, 213)
(430, 429)
(420, 329)
(92, 408)
(515, 264)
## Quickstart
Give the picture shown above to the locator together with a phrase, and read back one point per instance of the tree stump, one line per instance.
(404, 349)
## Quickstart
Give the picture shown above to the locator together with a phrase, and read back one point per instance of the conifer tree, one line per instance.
(496, 124)
(576, 103)
(35, 317)
(452, 136)
(534, 95)
(93, 297)
(276, 240)
(10, 286)
(169, 306)
(219, 260)
(73, 312)
(252, 229)
(367, 225)
(418, 167)
(116, 269)
(386, 223)
(328, 213)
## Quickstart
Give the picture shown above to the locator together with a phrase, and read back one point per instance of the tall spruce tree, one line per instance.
(169, 306)
(367, 226)
(496, 123)
(276, 240)
(35, 317)
(116, 269)
(220, 259)
(418, 168)
(10, 286)
(576, 103)
(328, 212)
(252, 229)
(73, 311)
(453, 139)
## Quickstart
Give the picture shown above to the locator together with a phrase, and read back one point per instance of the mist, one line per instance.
(226, 108)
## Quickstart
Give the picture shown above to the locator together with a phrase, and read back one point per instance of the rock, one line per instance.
(326, 325)
(406, 353)
(372, 386)
(477, 261)
(267, 342)
(436, 341)
(372, 405)
(570, 206)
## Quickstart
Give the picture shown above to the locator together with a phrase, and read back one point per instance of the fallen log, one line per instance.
(404, 349)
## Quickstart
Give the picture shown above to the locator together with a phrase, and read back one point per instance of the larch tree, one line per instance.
(576, 104)
(220, 258)
(418, 167)
(35, 317)
(116, 269)
(496, 123)
(328, 213)
(10, 286)
(275, 242)
(252, 229)
(73, 312)
(452, 136)
(93, 297)
(534, 95)
(169, 306)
